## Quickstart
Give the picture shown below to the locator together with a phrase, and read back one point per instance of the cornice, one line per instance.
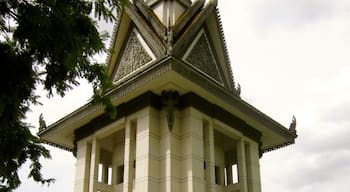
(190, 99)
(66, 148)
(150, 99)
(153, 72)
(269, 149)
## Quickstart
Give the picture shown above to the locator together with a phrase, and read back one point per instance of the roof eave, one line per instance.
(230, 102)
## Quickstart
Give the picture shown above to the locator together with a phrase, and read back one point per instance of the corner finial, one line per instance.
(170, 39)
(293, 125)
(42, 123)
(238, 89)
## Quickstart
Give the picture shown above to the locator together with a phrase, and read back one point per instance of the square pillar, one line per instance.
(82, 169)
(169, 153)
(192, 152)
(242, 167)
(209, 155)
(95, 158)
(147, 151)
(129, 156)
(253, 167)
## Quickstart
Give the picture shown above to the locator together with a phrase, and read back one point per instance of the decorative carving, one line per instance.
(170, 101)
(170, 39)
(202, 57)
(134, 57)
(42, 123)
(293, 125)
(238, 90)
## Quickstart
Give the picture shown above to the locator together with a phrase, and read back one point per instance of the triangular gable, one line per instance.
(214, 31)
(135, 55)
(211, 53)
(175, 41)
(201, 56)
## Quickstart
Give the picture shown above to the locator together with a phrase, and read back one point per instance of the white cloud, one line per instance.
(292, 57)
(297, 13)
(280, 60)
(321, 153)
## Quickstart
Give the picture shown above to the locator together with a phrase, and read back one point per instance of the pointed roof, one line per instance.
(164, 37)
(177, 45)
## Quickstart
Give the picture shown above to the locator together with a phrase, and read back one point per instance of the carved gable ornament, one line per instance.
(135, 55)
(189, 31)
(202, 57)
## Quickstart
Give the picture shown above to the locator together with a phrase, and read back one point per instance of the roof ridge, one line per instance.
(114, 35)
(224, 47)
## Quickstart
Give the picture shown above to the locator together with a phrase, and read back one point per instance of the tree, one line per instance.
(48, 42)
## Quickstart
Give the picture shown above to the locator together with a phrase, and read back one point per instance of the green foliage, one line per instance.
(49, 42)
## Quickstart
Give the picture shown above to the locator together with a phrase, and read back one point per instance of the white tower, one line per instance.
(181, 124)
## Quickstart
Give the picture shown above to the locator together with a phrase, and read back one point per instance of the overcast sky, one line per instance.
(291, 57)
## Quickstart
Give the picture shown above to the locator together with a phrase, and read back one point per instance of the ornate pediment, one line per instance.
(201, 56)
(136, 54)
(183, 29)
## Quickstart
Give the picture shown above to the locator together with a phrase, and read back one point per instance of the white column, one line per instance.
(192, 163)
(210, 157)
(173, 161)
(95, 157)
(170, 152)
(166, 153)
(242, 170)
(82, 167)
(253, 168)
(147, 152)
(129, 156)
